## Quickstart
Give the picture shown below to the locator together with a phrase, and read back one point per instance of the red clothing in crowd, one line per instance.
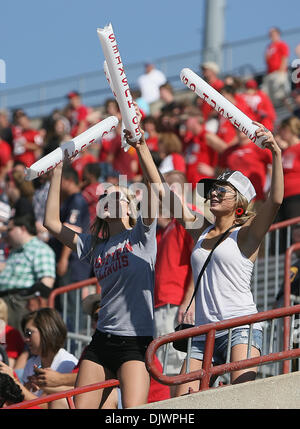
(14, 343)
(122, 161)
(158, 391)
(5, 153)
(291, 170)
(174, 161)
(250, 160)
(79, 163)
(20, 138)
(152, 143)
(227, 131)
(205, 108)
(172, 269)
(262, 108)
(275, 52)
(79, 114)
(197, 151)
(91, 195)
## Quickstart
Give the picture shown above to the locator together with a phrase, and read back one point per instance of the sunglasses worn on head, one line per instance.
(221, 191)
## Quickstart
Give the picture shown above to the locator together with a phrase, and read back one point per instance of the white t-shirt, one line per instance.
(149, 84)
(63, 362)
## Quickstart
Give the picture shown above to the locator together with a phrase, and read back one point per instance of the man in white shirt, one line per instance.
(149, 83)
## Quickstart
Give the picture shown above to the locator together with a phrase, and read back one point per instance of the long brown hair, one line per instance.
(100, 228)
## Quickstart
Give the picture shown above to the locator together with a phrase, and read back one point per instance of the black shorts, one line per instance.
(111, 351)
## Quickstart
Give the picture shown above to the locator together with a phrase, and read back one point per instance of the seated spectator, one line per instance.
(296, 99)
(91, 188)
(170, 151)
(78, 113)
(6, 161)
(260, 103)
(45, 333)
(141, 102)
(151, 133)
(9, 336)
(27, 142)
(29, 260)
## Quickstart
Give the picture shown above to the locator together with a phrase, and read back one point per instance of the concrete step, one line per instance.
(278, 392)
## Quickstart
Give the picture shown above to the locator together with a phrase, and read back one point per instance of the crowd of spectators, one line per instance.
(184, 135)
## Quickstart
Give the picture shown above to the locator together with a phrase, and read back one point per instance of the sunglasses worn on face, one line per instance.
(117, 196)
(221, 191)
(28, 333)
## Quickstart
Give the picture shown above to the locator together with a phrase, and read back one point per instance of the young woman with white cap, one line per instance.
(224, 290)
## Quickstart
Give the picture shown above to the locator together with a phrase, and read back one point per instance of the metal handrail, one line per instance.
(66, 394)
(72, 286)
(210, 330)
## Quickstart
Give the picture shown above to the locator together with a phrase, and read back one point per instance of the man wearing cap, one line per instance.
(36, 296)
(78, 113)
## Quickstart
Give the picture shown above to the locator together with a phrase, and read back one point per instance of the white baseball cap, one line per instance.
(236, 179)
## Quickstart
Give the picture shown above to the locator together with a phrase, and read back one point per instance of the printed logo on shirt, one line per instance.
(112, 262)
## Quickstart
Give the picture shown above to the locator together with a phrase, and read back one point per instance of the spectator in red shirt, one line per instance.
(276, 81)
(10, 337)
(288, 138)
(6, 161)
(260, 103)
(78, 114)
(250, 160)
(210, 73)
(200, 158)
(27, 142)
(170, 151)
(91, 188)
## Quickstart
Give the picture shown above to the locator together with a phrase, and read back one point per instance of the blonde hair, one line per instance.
(242, 202)
(293, 123)
(171, 143)
(3, 310)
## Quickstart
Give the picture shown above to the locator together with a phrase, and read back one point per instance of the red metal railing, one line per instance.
(66, 394)
(207, 371)
(63, 289)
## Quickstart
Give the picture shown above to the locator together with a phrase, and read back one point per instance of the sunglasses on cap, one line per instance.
(117, 196)
(220, 190)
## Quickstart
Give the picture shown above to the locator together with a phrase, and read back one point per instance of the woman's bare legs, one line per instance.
(134, 383)
(182, 389)
(239, 352)
(90, 373)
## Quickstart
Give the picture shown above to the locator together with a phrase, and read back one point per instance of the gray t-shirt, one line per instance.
(124, 266)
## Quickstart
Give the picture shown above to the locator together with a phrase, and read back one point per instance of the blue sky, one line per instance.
(45, 40)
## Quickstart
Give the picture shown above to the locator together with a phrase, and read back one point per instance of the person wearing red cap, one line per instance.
(276, 81)
(260, 103)
(78, 113)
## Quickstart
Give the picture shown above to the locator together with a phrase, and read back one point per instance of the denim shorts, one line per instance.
(239, 336)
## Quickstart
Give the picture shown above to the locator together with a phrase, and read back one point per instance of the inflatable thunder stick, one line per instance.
(124, 143)
(221, 104)
(118, 80)
(73, 147)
